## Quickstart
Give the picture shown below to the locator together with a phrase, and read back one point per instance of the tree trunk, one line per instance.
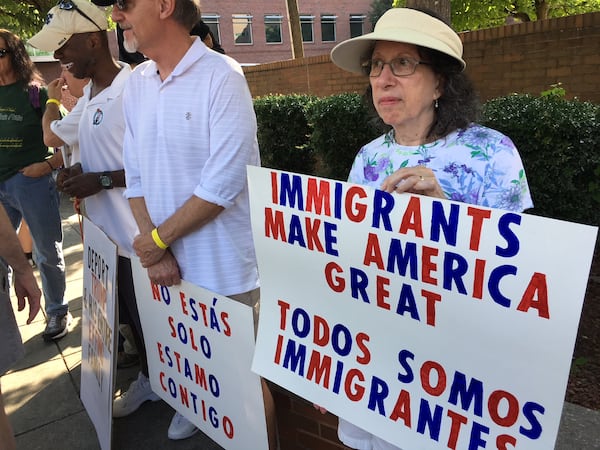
(541, 9)
(295, 30)
(441, 7)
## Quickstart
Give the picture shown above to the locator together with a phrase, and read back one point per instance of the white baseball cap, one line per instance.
(67, 18)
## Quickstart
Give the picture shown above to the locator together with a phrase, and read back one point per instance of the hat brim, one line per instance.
(349, 54)
(103, 2)
(49, 40)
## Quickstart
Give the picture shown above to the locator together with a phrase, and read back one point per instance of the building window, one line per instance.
(306, 25)
(357, 22)
(212, 20)
(328, 28)
(273, 28)
(242, 29)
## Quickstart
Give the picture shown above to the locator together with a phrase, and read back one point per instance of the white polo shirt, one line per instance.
(68, 130)
(194, 134)
(101, 127)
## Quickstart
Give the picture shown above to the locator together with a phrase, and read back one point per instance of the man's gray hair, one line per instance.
(187, 12)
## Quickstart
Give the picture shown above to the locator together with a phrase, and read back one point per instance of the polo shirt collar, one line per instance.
(194, 53)
(115, 88)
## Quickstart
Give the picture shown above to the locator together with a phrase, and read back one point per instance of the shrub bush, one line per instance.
(559, 142)
(283, 132)
(340, 127)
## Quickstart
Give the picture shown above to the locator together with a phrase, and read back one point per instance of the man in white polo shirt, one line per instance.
(77, 36)
(190, 133)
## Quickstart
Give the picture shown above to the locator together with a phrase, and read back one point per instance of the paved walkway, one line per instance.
(42, 392)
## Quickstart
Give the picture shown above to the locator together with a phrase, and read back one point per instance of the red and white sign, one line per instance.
(431, 323)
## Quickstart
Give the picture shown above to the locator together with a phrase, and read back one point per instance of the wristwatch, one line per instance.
(106, 180)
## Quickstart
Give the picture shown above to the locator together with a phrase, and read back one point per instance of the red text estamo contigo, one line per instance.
(187, 381)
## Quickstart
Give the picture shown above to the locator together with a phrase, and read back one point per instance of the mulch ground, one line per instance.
(584, 382)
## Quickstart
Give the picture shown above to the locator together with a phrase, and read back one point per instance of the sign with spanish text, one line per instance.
(432, 324)
(199, 346)
(98, 317)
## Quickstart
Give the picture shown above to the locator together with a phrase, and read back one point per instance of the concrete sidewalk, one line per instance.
(42, 391)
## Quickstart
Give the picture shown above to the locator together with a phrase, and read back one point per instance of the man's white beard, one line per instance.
(130, 45)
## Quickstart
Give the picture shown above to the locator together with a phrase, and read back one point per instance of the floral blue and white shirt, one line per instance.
(475, 165)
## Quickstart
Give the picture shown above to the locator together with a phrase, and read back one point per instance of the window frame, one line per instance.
(274, 19)
(329, 19)
(307, 19)
(212, 21)
(248, 18)
(357, 19)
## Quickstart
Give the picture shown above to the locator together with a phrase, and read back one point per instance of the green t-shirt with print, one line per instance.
(21, 137)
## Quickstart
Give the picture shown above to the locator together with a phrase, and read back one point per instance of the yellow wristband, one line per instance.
(53, 101)
(157, 240)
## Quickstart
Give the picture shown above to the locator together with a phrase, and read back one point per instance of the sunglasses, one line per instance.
(121, 5)
(68, 5)
(4, 52)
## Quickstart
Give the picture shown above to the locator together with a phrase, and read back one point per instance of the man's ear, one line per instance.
(93, 40)
(166, 8)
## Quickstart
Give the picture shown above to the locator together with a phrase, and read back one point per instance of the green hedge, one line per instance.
(559, 142)
(340, 127)
(283, 132)
(558, 139)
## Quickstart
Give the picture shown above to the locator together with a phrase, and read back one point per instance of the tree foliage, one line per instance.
(476, 14)
(378, 7)
(24, 18)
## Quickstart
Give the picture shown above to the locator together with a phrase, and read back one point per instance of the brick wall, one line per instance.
(523, 58)
(315, 75)
(301, 427)
(260, 51)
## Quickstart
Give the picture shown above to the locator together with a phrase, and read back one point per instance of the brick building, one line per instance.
(258, 31)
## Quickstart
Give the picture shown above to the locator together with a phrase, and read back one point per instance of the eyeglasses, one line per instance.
(121, 5)
(68, 5)
(4, 52)
(401, 67)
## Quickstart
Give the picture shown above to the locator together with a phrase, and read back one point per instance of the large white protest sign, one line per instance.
(98, 341)
(431, 323)
(199, 347)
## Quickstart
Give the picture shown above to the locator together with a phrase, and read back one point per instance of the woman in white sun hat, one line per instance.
(418, 87)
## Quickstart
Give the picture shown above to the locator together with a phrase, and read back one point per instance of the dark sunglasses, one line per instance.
(4, 52)
(121, 5)
(68, 5)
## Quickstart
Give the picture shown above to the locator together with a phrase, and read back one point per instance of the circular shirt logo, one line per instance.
(98, 116)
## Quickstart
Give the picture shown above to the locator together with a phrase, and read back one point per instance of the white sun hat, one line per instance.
(399, 25)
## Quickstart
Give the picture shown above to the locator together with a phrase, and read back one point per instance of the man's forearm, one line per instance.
(10, 249)
(51, 114)
(192, 215)
(141, 215)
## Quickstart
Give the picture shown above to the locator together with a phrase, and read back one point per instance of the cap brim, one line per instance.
(103, 2)
(349, 54)
(48, 40)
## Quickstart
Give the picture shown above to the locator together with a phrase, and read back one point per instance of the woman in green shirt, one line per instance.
(27, 189)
